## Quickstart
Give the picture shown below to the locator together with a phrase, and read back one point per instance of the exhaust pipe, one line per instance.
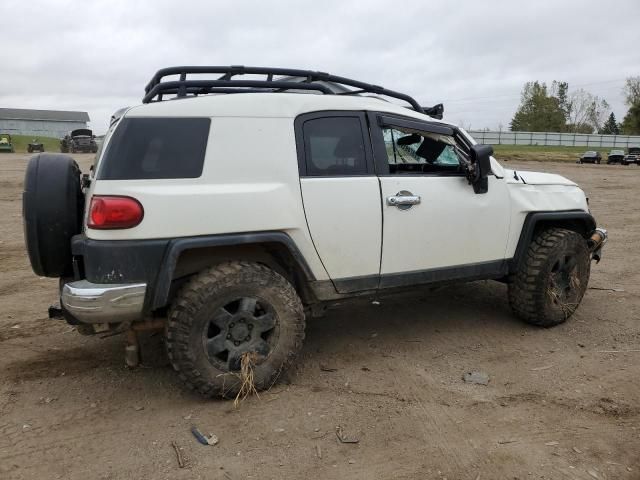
(595, 243)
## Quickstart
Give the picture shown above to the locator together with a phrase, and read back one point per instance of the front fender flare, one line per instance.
(576, 220)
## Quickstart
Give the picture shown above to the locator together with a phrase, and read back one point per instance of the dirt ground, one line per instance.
(562, 403)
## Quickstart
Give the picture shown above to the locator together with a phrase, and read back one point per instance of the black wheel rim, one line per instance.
(564, 281)
(245, 324)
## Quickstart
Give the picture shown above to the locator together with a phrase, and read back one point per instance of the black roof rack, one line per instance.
(157, 89)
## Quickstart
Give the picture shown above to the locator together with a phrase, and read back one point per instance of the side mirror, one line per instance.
(481, 163)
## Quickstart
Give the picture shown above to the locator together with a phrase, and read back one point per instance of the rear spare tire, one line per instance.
(52, 205)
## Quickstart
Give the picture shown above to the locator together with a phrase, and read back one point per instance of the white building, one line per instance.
(41, 123)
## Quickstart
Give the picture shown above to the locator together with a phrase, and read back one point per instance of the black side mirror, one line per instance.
(481, 167)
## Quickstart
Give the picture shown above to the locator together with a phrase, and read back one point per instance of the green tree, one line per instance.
(560, 90)
(610, 127)
(631, 121)
(539, 111)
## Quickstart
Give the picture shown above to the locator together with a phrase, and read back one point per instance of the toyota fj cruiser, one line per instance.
(225, 210)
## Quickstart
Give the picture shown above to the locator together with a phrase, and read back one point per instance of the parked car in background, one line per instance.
(5, 143)
(615, 156)
(632, 157)
(590, 157)
(79, 140)
(35, 146)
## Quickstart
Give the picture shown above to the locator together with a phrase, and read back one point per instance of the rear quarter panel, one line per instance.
(249, 183)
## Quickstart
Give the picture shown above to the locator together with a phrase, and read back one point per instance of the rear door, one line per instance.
(341, 196)
(435, 227)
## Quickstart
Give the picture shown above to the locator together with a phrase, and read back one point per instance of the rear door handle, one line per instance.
(403, 200)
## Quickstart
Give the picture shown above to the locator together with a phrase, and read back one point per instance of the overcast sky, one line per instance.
(473, 56)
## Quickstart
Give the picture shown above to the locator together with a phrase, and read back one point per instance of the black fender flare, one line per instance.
(576, 220)
(175, 247)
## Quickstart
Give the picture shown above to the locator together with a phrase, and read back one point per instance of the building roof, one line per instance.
(52, 115)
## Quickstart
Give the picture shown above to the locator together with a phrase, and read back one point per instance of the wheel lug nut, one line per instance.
(250, 326)
(236, 343)
(247, 338)
(228, 335)
(231, 325)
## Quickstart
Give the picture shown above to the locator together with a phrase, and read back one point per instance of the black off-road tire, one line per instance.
(193, 312)
(551, 279)
(52, 208)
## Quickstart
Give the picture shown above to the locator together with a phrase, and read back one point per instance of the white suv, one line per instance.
(224, 209)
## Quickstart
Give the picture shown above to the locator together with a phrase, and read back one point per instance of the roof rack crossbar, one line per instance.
(195, 91)
(184, 86)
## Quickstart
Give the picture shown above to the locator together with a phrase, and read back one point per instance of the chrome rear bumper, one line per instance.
(103, 303)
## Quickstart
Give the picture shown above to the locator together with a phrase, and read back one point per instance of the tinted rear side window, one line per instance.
(334, 146)
(150, 148)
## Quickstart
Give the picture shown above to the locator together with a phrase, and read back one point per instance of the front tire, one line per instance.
(229, 310)
(552, 278)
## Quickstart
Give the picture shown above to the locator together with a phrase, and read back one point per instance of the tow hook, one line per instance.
(595, 243)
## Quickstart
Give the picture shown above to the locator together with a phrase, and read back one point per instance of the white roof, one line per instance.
(288, 105)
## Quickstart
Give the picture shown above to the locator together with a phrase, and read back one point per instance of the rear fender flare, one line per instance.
(178, 246)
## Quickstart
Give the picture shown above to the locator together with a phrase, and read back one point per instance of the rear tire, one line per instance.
(229, 310)
(551, 279)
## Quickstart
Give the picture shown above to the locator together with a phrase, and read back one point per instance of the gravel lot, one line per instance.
(558, 405)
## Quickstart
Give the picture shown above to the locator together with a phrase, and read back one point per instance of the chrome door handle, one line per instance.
(403, 200)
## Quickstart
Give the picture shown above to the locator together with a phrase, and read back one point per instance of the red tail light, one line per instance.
(107, 212)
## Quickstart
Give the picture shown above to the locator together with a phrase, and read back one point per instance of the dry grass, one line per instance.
(248, 387)
(556, 297)
(543, 153)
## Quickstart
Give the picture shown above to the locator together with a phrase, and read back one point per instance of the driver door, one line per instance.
(435, 228)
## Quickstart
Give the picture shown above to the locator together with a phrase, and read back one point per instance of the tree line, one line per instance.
(555, 108)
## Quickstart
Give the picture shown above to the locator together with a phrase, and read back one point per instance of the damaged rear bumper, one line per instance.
(90, 302)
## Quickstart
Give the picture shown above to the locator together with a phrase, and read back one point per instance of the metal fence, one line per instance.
(552, 138)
